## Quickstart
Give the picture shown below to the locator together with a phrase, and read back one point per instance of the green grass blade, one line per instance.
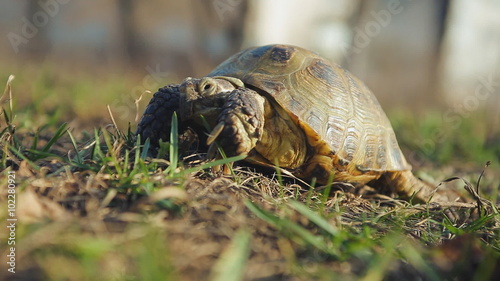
(138, 154)
(205, 123)
(212, 164)
(380, 264)
(326, 191)
(231, 264)
(114, 158)
(279, 177)
(96, 150)
(6, 116)
(4, 130)
(479, 223)
(7, 94)
(20, 155)
(414, 256)
(174, 145)
(34, 145)
(59, 133)
(451, 227)
(263, 215)
(4, 149)
(288, 226)
(37, 154)
(314, 217)
(75, 147)
(145, 149)
(224, 156)
(125, 163)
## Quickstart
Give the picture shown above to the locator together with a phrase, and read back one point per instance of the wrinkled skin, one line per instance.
(242, 121)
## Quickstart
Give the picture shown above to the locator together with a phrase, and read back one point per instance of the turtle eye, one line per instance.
(207, 87)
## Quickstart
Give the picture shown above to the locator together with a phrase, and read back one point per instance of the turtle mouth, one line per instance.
(203, 99)
(195, 110)
(202, 108)
(192, 104)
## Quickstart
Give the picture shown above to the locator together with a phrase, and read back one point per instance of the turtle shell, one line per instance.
(328, 102)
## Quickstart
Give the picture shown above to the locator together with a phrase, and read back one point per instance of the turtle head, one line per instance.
(205, 96)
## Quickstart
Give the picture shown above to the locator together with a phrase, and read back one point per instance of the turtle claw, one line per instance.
(212, 152)
(215, 133)
(224, 169)
(216, 169)
(227, 168)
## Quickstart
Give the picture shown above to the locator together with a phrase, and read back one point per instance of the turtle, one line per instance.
(285, 105)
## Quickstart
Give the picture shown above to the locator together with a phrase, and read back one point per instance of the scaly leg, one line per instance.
(239, 125)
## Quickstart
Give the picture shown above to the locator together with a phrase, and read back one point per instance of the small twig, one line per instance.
(136, 102)
(9, 115)
(8, 91)
(120, 134)
(474, 192)
(445, 204)
(111, 115)
(481, 175)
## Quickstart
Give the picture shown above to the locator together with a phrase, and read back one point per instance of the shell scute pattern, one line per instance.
(331, 102)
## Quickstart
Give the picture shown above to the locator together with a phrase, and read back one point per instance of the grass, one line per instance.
(92, 206)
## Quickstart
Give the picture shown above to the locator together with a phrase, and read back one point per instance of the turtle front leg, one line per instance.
(155, 123)
(239, 125)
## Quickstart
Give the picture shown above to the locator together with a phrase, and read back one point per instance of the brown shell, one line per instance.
(333, 103)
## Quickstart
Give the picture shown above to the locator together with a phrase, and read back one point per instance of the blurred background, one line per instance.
(421, 58)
